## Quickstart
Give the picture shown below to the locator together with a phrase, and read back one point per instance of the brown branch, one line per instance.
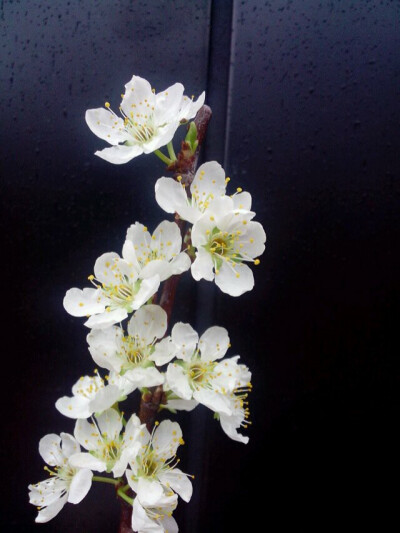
(185, 166)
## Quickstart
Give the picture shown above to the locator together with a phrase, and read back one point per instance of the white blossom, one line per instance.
(92, 395)
(133, 355)
(148, 122)
(208, 184)
(199, 377)
(108, 449)
(119, 290)
(225, 238)
(66, 484)
(152, 471)
(158, 254)
(155, 518)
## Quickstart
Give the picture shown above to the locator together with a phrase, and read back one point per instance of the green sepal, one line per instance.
(191, 137)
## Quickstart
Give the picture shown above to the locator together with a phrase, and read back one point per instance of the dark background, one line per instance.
(306, 117)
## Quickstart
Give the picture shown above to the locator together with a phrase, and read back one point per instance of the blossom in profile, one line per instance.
(190, 203)
(155, 518)
(147, 120)
(66, 483)
(91, 394)
(108, 449)
(134, 355)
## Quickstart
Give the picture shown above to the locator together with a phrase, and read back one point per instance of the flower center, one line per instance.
(122, 294)
(200, 373)
(133, 353)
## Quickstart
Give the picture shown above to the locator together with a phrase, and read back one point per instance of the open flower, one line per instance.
(92, 395)
(225, 239)
(153, 469)
(109, 451)
(155, 518)
(158, 254)
(66, 484)
(208, 184)
(133, 355)
(118, 291)
(199, 377)
(149, 121)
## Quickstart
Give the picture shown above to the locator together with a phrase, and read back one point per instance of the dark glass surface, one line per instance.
(306, 118)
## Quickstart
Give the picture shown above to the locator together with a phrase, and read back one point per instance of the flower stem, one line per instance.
(122, 495)
(171, 151)
(163, 157)
(105, 480)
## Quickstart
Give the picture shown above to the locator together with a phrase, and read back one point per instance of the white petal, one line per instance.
(164, 351)
(234, 279)
(104, 345)
(209, 181)
(170, 195)
(74, 407)
(163, 136)
(212, 400)
(182, 405)
(178, 381)
(80, 485)
(145, 377)
(82, 303)
(203, 266)
(242, 200)
(106, 125)
(137, 91)
(110, 423)
(69, 445)
(50, 451)
(189, 108)
(149, 492)
(214, 343)
(167, 239)
(158, 267)
(168, 103)
(253, 240)
(87, 434)
(179, 483)
(118, 155)
(185, 338)
(148, 287)
(105, 398)
(51, 511)
(167, 438)
(142, 522)
(106, 319)
(87, 461)
(180, 264)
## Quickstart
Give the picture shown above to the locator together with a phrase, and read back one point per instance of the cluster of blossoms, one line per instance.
(221, 240)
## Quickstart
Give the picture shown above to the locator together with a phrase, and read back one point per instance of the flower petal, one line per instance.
(209, 181)
(106, 319)
(51, 511)
(69, 444)
(234, 279)
(164, 351)
(74, 406)
(212, 400)
(170, 195)
(106, 125)
(148, 324)
(50, 451)
(179, 483)
(118, 155)
(214, 343)
(80, 485)
(87, 461)
(84, 302)
(167, 438)
(178, 381)
(203, 266)
(185, 338)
